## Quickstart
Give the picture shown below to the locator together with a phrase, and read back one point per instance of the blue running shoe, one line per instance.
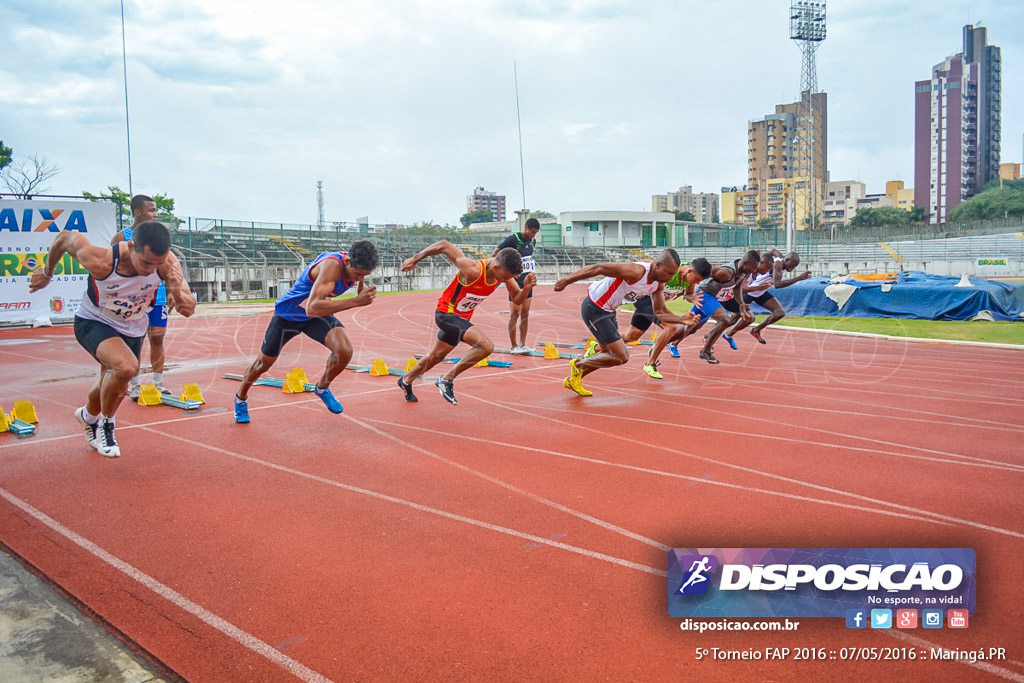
(730, 342)
(328, 398)
(674, 350)
(241, 411)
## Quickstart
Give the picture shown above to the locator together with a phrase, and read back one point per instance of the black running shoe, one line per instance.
(407, 388)
(447, 389)
(709, 357)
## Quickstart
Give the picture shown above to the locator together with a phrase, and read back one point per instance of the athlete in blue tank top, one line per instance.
(308, 308)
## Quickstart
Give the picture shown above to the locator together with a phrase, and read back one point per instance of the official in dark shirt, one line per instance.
(519, 314)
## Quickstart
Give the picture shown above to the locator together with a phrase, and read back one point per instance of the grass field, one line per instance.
(982, 331)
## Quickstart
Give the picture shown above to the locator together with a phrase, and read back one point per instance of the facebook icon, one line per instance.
(856, 618)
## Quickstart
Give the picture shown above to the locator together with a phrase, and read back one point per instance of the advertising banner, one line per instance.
(27, 228)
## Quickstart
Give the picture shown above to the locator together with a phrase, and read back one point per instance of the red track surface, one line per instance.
(522, 533)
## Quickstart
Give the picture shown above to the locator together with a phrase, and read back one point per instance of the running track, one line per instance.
(522, 533)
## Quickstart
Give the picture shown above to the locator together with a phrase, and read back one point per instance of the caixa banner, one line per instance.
(817, 582)
(27, 228)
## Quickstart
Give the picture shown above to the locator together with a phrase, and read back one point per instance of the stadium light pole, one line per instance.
(127, 126)
(807, 28)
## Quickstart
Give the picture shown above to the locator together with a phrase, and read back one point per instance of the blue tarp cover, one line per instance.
(913, 295)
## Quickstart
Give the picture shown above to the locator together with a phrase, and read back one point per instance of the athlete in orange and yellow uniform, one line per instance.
(474, 282)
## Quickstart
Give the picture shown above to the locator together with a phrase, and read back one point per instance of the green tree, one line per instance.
(918, 214)
(164, 205)
(685, 216)
(5, 155)
(476, 216)
(883, 215)
(766, 223)
(992, 202)
(541, 214)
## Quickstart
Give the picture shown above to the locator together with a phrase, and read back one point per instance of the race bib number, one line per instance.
(528, 265)
(125, 308)
(632, 297)
(725, 294)
(469, 303)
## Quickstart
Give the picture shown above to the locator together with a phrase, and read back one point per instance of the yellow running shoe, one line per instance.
(574, 380)
(591, 349)
(652, 371)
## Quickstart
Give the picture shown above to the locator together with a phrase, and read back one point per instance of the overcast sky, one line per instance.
(402, 107)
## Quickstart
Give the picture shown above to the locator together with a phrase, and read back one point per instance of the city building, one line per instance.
(703, 205)
(482, 199)
(902, 197)
(840, 205)
(773, 154)
(957, 126)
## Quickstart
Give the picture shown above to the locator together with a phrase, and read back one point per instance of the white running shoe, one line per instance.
(106, 444)
(91, 428)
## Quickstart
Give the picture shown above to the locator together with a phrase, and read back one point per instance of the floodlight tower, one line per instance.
(320, 205)
(807, 28)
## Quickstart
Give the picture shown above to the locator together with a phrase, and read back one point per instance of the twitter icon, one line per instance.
(881, 618)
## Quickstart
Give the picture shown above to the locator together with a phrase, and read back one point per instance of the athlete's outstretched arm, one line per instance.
(630, 272)
(443, 247)
(661, 310)
(179, 294)
(320, 303)
(518, 293)
(97, 260)
(777, 277)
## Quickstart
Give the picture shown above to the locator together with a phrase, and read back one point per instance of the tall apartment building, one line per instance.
(703, 205)
(773, 153)
(957, 126)
(482, 199)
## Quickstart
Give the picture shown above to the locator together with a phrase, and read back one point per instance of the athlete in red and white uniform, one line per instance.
(622, 283)
(111, 320)
(474, 282)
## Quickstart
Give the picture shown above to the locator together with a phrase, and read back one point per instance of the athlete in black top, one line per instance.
(519, 314)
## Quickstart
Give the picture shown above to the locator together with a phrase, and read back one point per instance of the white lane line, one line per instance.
(751, 470)
(676, 475)
(417, 506)
(608, 526)
(207, 617)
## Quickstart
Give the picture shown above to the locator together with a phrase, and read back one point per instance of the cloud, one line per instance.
(238, 107)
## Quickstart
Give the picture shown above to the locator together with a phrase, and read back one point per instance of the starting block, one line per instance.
(24, 411)
(550, 352)
(295, 382)
(410, 364)
(486, 362)
(267, 382)
(191, 393)
(539, 354)
(151, 396)
(11, 423)
(378, 369)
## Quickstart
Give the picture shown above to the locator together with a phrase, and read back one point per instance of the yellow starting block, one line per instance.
(379, 368)
(24, 411)
(410, 364)
(654, 337)
(4, 424)
(483, 363)
(550, 352)
(149, 395)
(191, 393)
(295, 382)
